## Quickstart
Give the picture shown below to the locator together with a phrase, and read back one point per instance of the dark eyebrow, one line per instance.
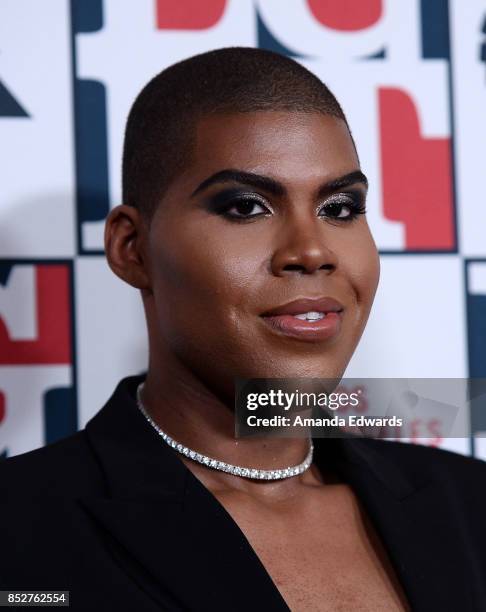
(274, 187)
(343, 181)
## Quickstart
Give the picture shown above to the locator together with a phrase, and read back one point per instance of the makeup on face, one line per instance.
(255, 240)
(240, 204)
(308, 319)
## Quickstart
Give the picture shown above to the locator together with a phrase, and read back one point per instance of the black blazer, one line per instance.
(115, 517)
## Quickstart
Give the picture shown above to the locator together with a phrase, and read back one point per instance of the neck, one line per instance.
(186, 409)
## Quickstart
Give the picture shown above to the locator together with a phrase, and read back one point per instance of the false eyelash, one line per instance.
(225, 200)
(222, 202)
(354, 201)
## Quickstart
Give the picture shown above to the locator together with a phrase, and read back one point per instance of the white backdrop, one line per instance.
(411, 76)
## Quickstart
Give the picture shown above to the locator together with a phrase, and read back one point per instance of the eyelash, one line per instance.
(354, 201)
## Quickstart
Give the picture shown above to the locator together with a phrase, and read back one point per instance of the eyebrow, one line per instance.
(274, 187)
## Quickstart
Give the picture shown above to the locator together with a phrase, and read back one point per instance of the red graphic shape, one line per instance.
(346, 15)
(53, 344)
(416, 175)
(188, 14)
(2, 407)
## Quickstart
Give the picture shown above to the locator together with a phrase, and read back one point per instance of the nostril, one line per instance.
(292, 267)
(304, 269)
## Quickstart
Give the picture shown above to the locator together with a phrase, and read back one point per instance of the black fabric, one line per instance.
(115, 517)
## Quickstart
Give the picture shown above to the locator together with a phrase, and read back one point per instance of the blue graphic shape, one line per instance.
(476, 336)
(90, 125)
(434, 17)
(4, 454)
(266, 40)
(60, 418)
(87, 15)
(476, 324)
(9, 107)
(482, 51)
(5, 270)
(378, 55)
(91, 151)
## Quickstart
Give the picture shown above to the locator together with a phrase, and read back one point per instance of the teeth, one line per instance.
(310, 316)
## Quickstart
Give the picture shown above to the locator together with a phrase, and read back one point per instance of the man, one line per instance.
(243, 215)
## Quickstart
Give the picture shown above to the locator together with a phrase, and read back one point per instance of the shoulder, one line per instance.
(64, 468)
(429, 455)
(452, 469)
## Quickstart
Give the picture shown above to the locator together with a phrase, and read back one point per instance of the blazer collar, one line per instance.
(170, 534)
(168, 530)
(137, 464)
(127, 448)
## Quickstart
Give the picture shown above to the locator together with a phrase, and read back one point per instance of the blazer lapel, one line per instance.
(169, 533)
(174, 538)
(412, 517)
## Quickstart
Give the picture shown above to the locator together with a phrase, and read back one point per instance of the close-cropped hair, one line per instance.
(160, 129)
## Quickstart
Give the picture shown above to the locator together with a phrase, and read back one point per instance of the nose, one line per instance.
(303, 249)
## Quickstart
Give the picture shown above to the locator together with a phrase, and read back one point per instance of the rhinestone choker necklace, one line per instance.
(221, 465)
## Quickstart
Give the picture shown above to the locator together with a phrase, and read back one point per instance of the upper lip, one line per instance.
(303, 305)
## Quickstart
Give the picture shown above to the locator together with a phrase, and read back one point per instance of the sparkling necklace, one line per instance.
(236, 470)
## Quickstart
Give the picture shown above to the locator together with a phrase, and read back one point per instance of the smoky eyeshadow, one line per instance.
(220, 201)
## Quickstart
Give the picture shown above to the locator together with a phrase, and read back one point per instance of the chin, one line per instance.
(298, 369)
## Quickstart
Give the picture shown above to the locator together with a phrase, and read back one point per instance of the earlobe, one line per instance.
(124, 246)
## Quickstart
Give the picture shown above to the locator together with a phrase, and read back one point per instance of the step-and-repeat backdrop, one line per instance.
(411, 76)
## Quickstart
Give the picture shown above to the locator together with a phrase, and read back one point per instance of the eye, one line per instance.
(245, 207)
(343, 207)
(239, 206)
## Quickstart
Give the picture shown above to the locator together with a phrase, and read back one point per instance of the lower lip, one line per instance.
(323, 329)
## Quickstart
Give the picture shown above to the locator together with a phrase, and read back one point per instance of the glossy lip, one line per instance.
(282, 320)
(303, 305)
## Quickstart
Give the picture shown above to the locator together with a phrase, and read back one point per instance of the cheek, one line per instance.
(362, 264)
(201, 287)
(204, 272)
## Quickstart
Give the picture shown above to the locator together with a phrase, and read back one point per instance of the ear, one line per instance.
(124, 241)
